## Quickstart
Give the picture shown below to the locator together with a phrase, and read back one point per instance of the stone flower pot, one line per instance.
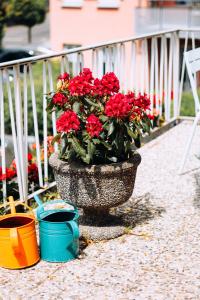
(95, 188)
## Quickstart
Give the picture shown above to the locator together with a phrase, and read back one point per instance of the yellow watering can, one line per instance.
(18, 242)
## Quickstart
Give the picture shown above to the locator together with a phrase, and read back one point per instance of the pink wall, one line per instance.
(90, 25)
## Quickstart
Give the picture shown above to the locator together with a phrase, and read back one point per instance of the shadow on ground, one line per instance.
(132, 213)
(137, 211)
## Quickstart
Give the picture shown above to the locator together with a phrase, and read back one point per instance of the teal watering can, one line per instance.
(58, 230)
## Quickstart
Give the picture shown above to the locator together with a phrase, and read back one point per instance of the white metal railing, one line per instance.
(146, 63)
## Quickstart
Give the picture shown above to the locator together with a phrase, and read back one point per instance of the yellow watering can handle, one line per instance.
(14, 238)
(12, 205)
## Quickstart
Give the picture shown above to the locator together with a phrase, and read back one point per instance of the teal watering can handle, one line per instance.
(75, 229)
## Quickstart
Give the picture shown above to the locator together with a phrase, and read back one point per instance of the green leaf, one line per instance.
(91, 149)
(103, 118)
(77, 147)
(96, 141)
(76, 107)
(106, 145)
(111, 128)
(132, 134)
(86, 159)
(91, 103)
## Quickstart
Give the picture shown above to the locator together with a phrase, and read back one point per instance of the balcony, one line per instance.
(160, 256)
(162, 251)
(149, 64)
(160, 15)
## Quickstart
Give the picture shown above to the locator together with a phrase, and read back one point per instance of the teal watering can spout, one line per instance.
(37, 199)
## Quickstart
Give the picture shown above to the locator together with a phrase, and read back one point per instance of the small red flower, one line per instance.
(118, 106)
(10, 173)
(87, 74)
(151, 117)
(33, 172)
(68, 121)
(108, 85)
(64, 77)
(81, 85)
(59, 99)
(142, 101)
(30, 157)
(93, 126)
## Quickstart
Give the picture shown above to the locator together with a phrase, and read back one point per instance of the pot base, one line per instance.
(101, 232)
(99, 225)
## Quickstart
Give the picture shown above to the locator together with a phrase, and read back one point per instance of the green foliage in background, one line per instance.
(37, 74)
(5, 9)
(187, 104)
(28, 13)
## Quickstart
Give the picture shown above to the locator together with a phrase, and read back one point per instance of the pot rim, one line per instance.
(62, 166)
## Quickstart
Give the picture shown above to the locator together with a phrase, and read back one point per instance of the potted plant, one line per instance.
(97, 125)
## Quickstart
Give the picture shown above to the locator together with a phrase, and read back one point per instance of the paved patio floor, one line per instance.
(159, 260)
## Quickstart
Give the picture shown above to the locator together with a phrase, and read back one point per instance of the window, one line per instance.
(72, 3)
(108, 4)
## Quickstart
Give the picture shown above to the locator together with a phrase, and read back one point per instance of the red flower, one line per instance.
(64, 77)
(81, 85)
(67, 122)
(33, 172)
(59, 99)
(10, 173)
(93, 126)
(87, 74)
(130, 97)
(30, 157)
(108, 85)
(151, 117)
(118, 106)
(142, 101)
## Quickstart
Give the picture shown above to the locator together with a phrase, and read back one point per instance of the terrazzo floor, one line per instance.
(158, 259)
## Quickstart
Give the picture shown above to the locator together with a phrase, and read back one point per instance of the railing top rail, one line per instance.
(80, 49)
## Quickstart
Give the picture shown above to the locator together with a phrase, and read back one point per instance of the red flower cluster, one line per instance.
(94, 126)
(67, 122)
(118, 106)
(59, 99)
(33, 172)
(108, 85)
(81, 84)
(64, 77)
(10, 173)
(142, 101)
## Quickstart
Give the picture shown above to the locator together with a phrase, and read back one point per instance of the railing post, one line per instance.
(3, 154)
(176, 82)
(182, 76)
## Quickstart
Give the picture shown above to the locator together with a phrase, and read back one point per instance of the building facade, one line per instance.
(85, 22)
